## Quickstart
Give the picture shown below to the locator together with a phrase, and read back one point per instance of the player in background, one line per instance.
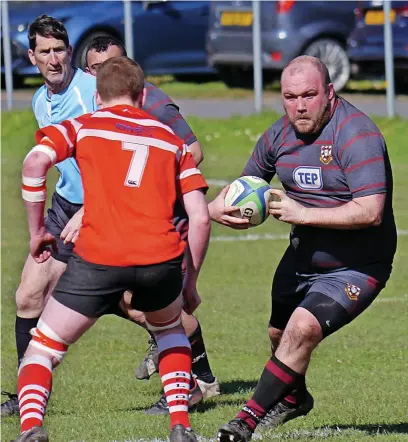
(127, 241)
(333, 164)
(163, 108)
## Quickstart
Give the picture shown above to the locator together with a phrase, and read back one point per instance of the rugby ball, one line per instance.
(251, 195)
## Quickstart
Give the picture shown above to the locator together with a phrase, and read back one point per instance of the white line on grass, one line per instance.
(217, 183)
(266, 237)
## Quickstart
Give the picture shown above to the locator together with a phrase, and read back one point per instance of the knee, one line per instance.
(305, 331)
(29, 302)
(275, 336)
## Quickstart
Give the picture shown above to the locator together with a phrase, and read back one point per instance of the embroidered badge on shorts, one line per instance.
(352, 291)
(326, 154)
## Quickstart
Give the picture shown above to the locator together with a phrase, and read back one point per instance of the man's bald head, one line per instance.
(299, 64)
(307, 94)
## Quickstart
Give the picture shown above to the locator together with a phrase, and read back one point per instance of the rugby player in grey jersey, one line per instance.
(333, 164)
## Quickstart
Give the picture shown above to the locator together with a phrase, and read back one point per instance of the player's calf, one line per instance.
(46, 350)
(174, 367)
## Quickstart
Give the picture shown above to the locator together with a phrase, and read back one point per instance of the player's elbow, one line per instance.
(376, 218)
(201, 220)
(36, 164)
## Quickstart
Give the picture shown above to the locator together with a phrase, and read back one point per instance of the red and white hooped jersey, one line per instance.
(133, 169)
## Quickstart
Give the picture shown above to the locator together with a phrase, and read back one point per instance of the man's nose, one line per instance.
(300, 104)
(53, 57)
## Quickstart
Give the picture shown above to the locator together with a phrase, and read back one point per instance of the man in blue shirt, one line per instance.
(67, 93)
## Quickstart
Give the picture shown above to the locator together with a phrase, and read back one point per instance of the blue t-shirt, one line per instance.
(77, 99)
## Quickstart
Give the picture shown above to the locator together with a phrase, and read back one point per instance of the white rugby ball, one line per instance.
(251, 195)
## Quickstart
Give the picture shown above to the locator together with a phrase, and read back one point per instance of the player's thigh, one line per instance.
(37, 280)
(336, 298)
(58, 215)
(156, 290)
(91, 289)
(288, 291)
(67, 324)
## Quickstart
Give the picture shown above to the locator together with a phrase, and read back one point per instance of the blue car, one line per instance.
(289, 29)
(169, 36)
(366, 42)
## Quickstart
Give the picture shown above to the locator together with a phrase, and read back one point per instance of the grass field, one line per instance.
(359, 376)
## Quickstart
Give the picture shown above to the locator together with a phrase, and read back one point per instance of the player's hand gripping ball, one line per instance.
(251, 195)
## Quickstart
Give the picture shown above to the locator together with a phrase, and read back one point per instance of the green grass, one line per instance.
(358, 376)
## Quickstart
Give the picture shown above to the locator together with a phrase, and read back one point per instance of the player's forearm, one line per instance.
(350, 216)
(34, 192)
(198, 239)
(35, 217)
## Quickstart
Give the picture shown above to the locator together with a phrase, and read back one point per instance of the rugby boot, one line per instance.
(281, 413)
(179, 433)
(150, 363)
(161, 407)
(235, 431)
(35, 434)
(209, 389)
(10, 407)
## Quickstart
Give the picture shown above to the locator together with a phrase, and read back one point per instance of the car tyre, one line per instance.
(334, 56)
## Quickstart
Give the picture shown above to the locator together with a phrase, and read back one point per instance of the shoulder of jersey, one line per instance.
(86, 78)
(39, 91)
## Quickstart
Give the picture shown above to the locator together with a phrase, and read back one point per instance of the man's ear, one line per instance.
(32, 57)
(87, 70)
(332, 92)
(99, 101)
(144, 94)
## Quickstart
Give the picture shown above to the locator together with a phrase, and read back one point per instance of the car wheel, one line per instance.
(80, 50)
(332, 53)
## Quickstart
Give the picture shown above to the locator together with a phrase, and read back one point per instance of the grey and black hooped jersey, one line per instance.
(347, 159)
(164, 109)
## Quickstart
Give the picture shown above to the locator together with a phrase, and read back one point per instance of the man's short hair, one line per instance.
(46, 26)
(119, 77)
(102, 43)
(298, 63)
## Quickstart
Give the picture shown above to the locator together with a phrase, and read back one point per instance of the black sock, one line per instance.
(277, 380)
(23, 337)
(200, 366)
(296, 396)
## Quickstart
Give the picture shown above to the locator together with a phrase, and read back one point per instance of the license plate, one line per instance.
(236, 18)
(378, 18)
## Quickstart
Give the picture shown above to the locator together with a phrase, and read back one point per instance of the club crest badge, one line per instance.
(326, 154)
(352, 291)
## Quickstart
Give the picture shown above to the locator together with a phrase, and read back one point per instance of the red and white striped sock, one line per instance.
(175, 369)
(34, 388)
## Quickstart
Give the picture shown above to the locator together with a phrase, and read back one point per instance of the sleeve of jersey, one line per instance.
(169, 114)
(59, 137)
(363, 157)
(261, 163)
(190, 177)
